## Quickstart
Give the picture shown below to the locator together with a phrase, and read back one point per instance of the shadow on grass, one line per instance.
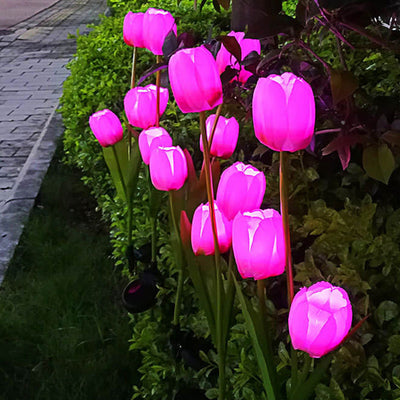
(63, 334)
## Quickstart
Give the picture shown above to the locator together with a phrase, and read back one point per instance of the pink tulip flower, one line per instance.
(202, 235)
(195, 80)
(107, 127)
(140, 105)
(133, 29)
(224, 58)
(168, 168)
(284, 112)
(241, 188)
(157, 24)
(152, 138)
(258, 244)
(319, 318)
(225, 136)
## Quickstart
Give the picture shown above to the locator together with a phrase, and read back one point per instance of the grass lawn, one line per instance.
(63, 332)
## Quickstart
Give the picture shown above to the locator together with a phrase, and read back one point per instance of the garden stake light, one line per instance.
(197, 87)
(284, 118)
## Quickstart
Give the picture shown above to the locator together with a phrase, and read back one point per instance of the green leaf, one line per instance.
(201, 270)
(212, 393)
(386, 311)
(378, 162)
(343, 85)
(394, 344)
(128, 169)
(255, 326)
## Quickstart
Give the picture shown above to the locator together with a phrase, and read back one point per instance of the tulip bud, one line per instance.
(140, 105)
(284, 112)
(224, 58)
(202, 234)
(168, 168)
(320, 317)
(133, 29)
(152, 138)
(241, 188)
(195, 80)
(258, 244)
(156, 26)
(107, 127)
(225, 136)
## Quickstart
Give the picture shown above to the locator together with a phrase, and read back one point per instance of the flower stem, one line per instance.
(127, 195)
(153, 239)
(220, 346)
(133, 72)
(217, 115)
(283, 186)
(158, 80)
(178, 298)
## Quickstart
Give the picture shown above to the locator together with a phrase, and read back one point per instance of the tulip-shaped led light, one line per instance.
(225, 136)
(140, 105)
(202, 234)
(258, 244)
(107, 127)
(224, 58)
(241, 188)
(152, 138)
(284, 112)
(133, 29)
(168, 168)
(156, 26)
(319, 318)
(195, 80)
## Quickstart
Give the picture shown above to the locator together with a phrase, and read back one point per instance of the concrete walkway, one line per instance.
(15, 11)
(33, 55)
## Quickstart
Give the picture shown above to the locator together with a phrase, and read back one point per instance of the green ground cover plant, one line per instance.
(343, 209)
(62, 331)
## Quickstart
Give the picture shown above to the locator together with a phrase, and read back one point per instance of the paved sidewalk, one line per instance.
(33, 55)
(15, 11)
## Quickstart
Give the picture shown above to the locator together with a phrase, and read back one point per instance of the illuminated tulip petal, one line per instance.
(152, 138)
(241, 188)
(258, 244)
(195, 80)
(284, 112)
(202, 236)
(157, 24)
(133, 29)
(140, 105)
(225, 136)
(107, 127)
(168, 168)
(319, 318)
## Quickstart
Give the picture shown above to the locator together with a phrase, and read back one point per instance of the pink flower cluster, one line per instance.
(283, 117)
